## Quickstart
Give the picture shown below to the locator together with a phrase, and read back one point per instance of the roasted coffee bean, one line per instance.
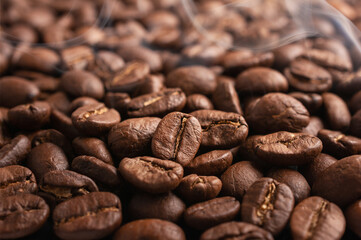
(353, 217)
(261, 80)
(129, 78)
(207, 214)
(317, 218)
(92, 147)
(193, 79)
(286, 54)
(99, 215)
(47, 84)
(297, 183)
(118, 101)
(64, 184)
(150, 84)
(337, 112)
(63, 123)
(95, 119)
(239, 230)
(221, 129)
(132, 137)
(305, 76)
(338, 144)
(15, 91)
(313, 170)
(238, 178)
(15, 152)
(268, 204)
(30, 116)
(314, 126)
(101, 172)
(150, 229)
(355, 126)
(346, 83)
(59, 101)
(177, 137)
(327, 59)
(107, 63)
(157, 104)
(225, 97)
(277, 112)
(77, 57)
(55, 137)
(151, 174)
(211, 163)
(22, 215)
(16, 179)
(345, 178)
(139, 53)
(79, 83)
(197, 102)
(286, 149)
(80, 102)
(165, 206)
(312, 101)
(45, 158)
(355, 102)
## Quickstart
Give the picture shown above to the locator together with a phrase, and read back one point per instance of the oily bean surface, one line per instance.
(92, 147)
(16, 179)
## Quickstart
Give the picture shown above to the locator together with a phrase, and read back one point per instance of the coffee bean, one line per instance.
(118, 101)
(92, 147)
(150, 229)
(177, 137)
(151, 174)
(286, 54)
(15, 91)
(79, 83)
(327, 59)
(77, 57)
(15, 152)
(150, 84)
(239, 230)
(107, 63)
(207, 214)
(139, 53)
(353, 217)
(355, 126)
(238, 178)
(45, 158)
(268, 204)
(345, 178)
(95, 119)
(221, 129)
(225, 97)
(197, 102)
(16, 179)
(165, 206)
(99, 215)
(314, 126)
(132, 137)
(285, 148)
(157, 104)
(211, 163)
(337, 112)
(80, 102)
(277, 112)
(311, 101)
(317, 218)
(355, 102)
(194, 79)
(261, 80)
(47, 84)
(64, 124)
(194, 188)
(30, 116)
(346, 83)
(59, 101)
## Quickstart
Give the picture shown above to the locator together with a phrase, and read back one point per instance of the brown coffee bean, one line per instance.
(16, 179)
(22, 215)
(15, 152)
(225, 97)
(157, 104)
(345, 178)
(268, 204)
(77, 57)
(194, 79)
(132, 137)
(221, 129)
(150, 229)
(47, 84)
(150, 84)
(99, 215)
(239, 230)
(211, 163)
(355, 126)
(346, 83)
(314, 126)
(15, 91)
(353, 217)
(286, 54)
(80, 83)
(207, 214)
(165, 206)
(197, 102)
(118, 101)
(177, 137)
(238, 178)
(337, 112)
(311, 101)
(151, 174)
(59, 101)
(139, 53)
(327, 59)
(30, 116)
(45, 158)
(355, 102)
(107, 63)
(80, 102)
(95, 119)
(92, 147)
(63, 123)
(317, 218)
(261, 80)
(276, 112)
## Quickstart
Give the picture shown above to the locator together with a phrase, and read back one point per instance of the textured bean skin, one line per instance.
(14, 152)
(16, 179)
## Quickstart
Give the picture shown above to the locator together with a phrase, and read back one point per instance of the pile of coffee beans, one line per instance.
(119, 120)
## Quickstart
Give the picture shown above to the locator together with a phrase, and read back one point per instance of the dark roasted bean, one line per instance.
(327, 59)
(92, 147)
(314, 126)
(80, 102)
(77, 57)
(139, 53)
(225, 97)
(312, 101)
(337, 112)
(16, 179)
(353, 217)
(355, 126)
(15, 152)
(197, 102)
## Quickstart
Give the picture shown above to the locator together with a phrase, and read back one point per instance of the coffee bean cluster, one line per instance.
(119, 120)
